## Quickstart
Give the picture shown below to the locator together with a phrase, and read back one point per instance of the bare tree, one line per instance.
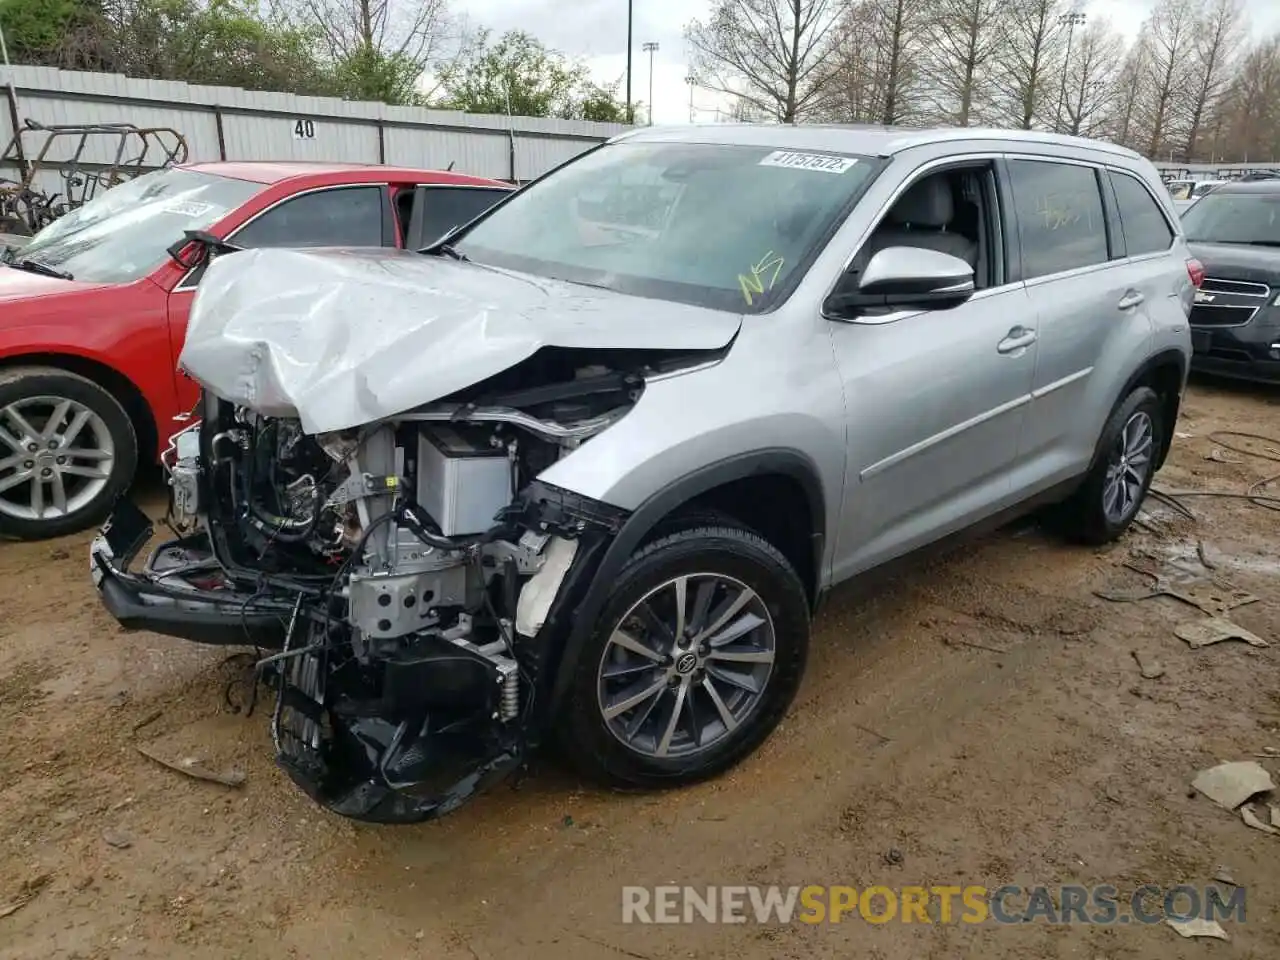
(1170, 33)
(1213, 46)
(1252, 106)
(766, 53)
(1122, 125)
(1091, 79)
(873, 68)
(1029, 46)
(383, 46)
(854, 74)
(963, 41)
(897, 23)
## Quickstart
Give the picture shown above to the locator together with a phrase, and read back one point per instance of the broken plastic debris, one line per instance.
(1219, 457)
(1148, 667)
(117, 838)
(9, 909)
(1251, 818)
(1214, 597)
(1231, 784)
(29, 890)
(1224, 875)
(1197, 927)
(193, 768)
(1201, 633)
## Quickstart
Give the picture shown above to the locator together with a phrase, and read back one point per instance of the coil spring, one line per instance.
(510, 705)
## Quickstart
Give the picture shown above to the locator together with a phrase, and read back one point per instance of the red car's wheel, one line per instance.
(67, 451)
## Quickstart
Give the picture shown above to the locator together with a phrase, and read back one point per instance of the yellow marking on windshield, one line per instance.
(768, 268)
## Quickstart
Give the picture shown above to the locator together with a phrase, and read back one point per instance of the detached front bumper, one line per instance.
(179, 590)
(415, 745)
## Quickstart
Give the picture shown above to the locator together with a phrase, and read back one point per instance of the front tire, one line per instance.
(67, 452)
(1123, 468)
(695, 658)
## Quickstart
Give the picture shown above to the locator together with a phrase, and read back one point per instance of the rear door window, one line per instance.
(1145, 228)
(449, 207)
(1060, 216)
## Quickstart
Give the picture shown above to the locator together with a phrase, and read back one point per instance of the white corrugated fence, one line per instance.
(227, 123)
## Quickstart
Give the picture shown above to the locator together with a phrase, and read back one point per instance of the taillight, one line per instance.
(1195, 270)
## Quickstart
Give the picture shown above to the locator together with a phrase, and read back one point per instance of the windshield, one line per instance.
(723, 226)
(1234, 218)
(122, 234)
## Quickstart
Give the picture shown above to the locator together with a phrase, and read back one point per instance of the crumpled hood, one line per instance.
(340, 338)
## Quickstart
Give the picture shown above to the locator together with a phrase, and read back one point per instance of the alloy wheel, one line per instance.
(56, 457)
(1128, 468)
(686, 665)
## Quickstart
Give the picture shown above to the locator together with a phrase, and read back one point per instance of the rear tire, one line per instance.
(67, 451)
(1123, 468)
(730, 663)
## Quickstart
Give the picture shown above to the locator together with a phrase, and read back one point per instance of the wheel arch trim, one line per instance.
(135, 401)
(644, 519)
(1167, 357)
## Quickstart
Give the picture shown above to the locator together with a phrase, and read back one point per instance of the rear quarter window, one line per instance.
(1145, 228)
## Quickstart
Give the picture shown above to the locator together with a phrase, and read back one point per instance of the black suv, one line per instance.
(1235, 323)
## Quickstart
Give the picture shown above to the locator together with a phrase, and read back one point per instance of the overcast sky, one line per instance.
(597, 31)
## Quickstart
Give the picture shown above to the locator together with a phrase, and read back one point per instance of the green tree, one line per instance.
(600, 103)
(377, 49)
(368, 74)
(199, 41)
(519, 73)
(54, 33)
(220, 42)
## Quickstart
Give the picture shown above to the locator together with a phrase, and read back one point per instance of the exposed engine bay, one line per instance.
(403, 571)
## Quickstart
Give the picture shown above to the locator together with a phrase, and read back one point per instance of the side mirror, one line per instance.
(906, 278)
(198, 247)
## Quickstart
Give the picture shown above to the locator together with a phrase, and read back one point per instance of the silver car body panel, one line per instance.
(341, 338)
(915, 424)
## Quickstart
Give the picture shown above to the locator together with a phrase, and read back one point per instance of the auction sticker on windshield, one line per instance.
(187, 208)
(822, 163)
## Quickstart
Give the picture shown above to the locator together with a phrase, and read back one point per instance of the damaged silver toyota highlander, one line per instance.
(583, 468)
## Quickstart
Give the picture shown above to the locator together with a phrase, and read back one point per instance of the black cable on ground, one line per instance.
(1253, 494)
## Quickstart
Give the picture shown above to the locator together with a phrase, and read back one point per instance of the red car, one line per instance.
(93, 310)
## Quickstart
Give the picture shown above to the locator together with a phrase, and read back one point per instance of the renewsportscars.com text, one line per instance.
(971, 904)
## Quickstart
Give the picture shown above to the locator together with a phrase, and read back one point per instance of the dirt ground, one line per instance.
(982, 720)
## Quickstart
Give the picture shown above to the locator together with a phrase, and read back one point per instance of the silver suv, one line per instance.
(585, 467)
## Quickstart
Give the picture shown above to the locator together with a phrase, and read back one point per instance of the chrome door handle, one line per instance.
(1130, 300)
(1016, 339)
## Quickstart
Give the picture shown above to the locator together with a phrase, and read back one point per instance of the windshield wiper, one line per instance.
(444, 246)
(35, 266)
(449, 250)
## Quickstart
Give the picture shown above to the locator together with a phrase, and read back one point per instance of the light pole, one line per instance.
(631, 117)
(692, 81)
(1070, 21)
(650, 47)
